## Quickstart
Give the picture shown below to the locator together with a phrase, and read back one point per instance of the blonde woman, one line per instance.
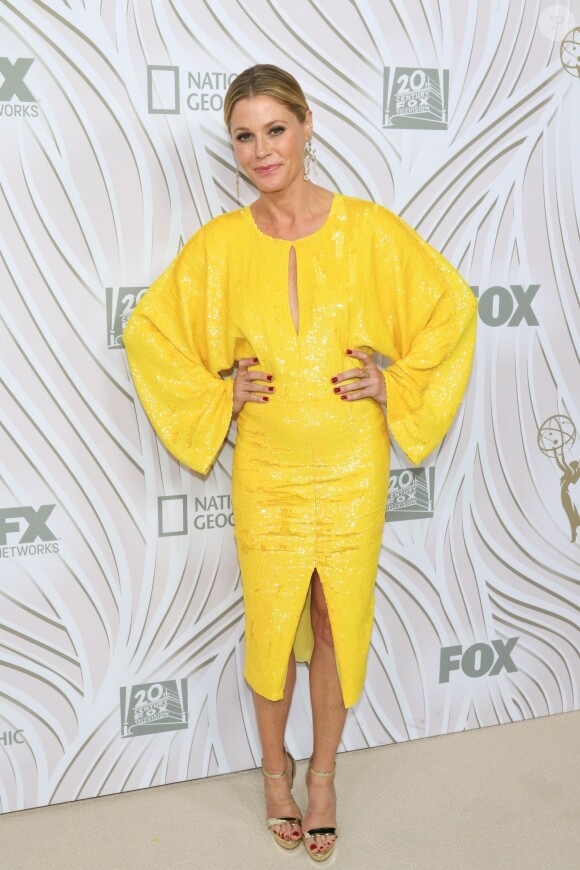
(300, 289)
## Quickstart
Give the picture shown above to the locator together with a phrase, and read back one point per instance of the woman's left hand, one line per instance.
(369, 384)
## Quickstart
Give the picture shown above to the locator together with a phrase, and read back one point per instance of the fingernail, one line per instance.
(271, 389)
(349, 351)
(334, 380)
(255, 359)
(343, 396)
(336, 390)
(269, 377)
(265, 398)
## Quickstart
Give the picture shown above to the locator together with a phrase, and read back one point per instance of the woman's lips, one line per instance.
(267, 170)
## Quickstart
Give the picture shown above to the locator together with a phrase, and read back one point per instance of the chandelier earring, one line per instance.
(238, 182)
(310, 158)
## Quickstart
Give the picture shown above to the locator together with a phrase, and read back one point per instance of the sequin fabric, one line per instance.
(310, 471)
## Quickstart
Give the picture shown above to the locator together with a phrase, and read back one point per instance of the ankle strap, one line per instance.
(321, 772)
(274, 775)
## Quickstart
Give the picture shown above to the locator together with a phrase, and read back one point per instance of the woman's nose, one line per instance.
(261, 146)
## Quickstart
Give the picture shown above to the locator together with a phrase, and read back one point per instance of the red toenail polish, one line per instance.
(343, 397)
(334, 380)
(337, 389)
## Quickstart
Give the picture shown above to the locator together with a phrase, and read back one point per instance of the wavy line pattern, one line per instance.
(97, 192)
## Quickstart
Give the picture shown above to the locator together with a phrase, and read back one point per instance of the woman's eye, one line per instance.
(243, 137)
(277, 130)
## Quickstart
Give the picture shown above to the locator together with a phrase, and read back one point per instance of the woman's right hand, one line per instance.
(245, 387)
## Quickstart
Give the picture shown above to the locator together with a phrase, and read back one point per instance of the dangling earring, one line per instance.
(238, 183)
(310, 158)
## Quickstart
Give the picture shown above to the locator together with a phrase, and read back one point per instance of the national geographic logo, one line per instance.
(121, 302)
(22, 527)
(16, 99)
(411, 494)
(172, 516)
(478, 659)
(501, 306)
(205, 90)
(415, 98)
(213, 512)
(210, 512)
(151, 708)
(556, 437)
(11, 738)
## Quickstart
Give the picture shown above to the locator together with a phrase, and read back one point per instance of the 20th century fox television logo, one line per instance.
(121, 302)
(411, 494)
(151, 708)
(415, 98)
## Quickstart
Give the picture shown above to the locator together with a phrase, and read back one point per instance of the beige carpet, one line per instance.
(502, 797)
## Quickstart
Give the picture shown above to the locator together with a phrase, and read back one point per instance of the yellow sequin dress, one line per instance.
(310, 471)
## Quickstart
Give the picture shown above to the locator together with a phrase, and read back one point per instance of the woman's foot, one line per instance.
(280, 804)
(321, 811)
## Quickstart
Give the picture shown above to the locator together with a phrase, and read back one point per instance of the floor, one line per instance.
(499, 797)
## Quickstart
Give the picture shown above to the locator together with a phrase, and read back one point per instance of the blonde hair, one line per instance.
(264, 79)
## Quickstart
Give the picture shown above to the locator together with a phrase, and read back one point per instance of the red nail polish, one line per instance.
(255, 359)
(269, 377)
(336, 390)
(265, 398)
(271, 389)
(334, 380)
(349, 351)
(343, 396)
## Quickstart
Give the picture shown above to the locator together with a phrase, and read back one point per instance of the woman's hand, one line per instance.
(245, 388)
(369, 384)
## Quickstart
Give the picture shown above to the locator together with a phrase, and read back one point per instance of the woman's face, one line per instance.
(268, 142)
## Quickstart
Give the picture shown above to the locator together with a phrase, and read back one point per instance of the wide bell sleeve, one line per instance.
(429, 313)
(177, 343)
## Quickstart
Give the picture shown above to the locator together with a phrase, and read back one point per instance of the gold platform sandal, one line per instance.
(310, 834)
(287, 820)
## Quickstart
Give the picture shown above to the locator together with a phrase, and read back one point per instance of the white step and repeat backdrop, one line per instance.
(121, 623)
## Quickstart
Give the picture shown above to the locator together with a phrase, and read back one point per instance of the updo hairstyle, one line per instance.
(264, 79)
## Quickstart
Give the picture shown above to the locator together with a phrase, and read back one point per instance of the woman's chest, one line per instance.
(292, 290)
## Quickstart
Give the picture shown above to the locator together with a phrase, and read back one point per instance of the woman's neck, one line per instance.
(294, 206)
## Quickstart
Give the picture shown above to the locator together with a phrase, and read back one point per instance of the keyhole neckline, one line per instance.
(248, 212)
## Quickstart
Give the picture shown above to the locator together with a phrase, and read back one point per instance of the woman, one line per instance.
(300, 289)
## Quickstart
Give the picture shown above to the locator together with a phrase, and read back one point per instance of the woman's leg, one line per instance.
(272, 717)
(328, 714)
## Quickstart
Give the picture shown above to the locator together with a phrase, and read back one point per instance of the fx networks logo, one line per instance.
(205, 90)
(478, 659)
(16, 99)
(10, 738)
(121, 302)
(500, 305)
(415, 99)
(151, 708)
(22, 527)
(411, 493)
(556, 437)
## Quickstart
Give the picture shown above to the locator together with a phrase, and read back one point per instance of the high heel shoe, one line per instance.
(286, 820)
(310, 834)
